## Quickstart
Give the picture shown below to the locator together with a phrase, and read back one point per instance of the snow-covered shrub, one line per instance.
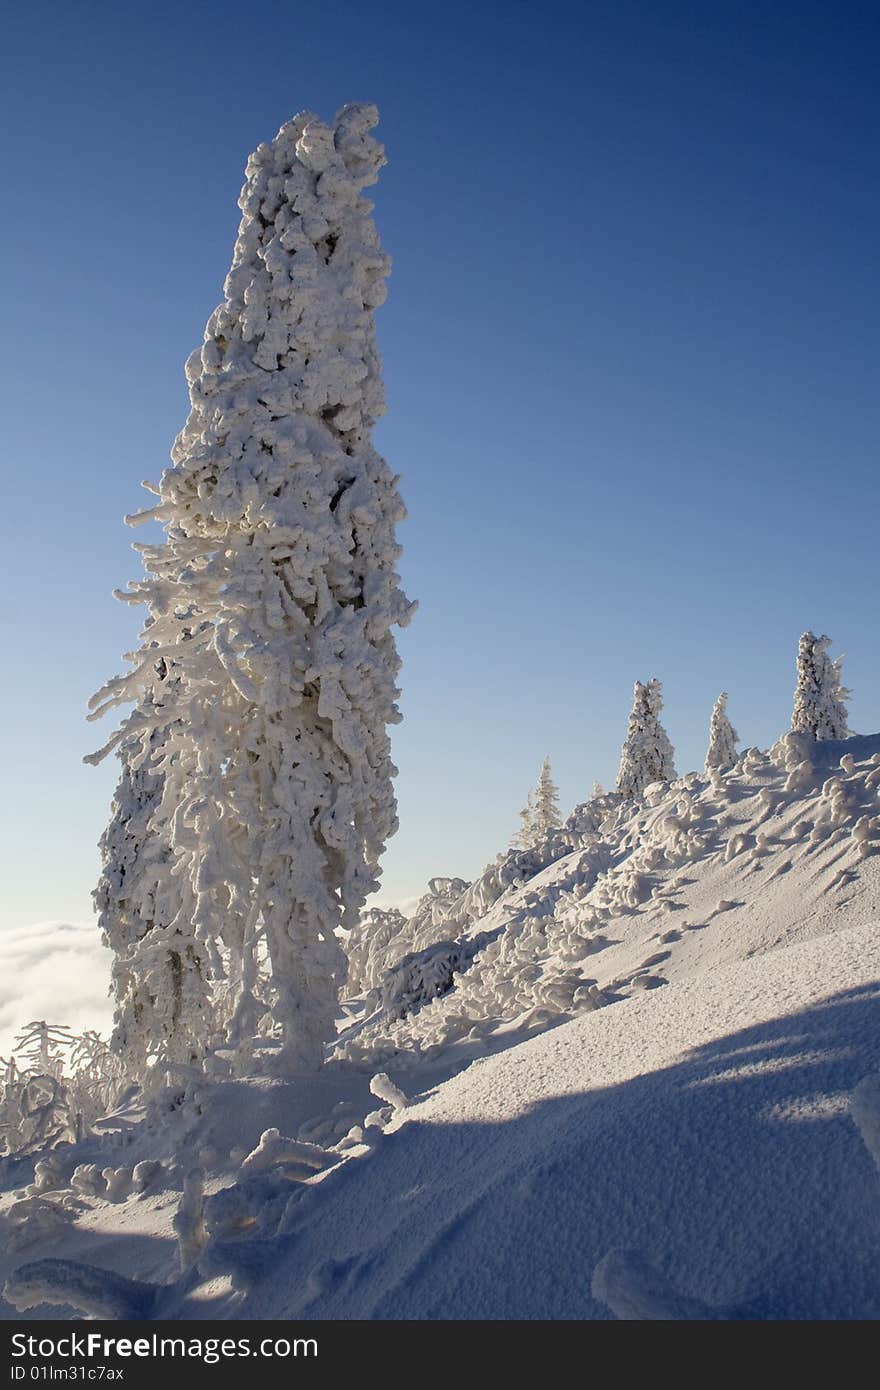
(370, 947)
(54, 1086)
(420, 976)
(272, 600)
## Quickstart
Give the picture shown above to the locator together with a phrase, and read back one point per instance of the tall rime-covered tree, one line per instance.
(273, 598)
(723, 737)
(820, 696)
(647, 754)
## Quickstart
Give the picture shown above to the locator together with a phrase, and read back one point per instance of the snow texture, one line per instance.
(658, 1064)
(865, 1110)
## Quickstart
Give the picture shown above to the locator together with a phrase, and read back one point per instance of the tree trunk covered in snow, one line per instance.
(274, 595)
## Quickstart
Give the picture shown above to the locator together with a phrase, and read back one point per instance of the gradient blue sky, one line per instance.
(630, 348)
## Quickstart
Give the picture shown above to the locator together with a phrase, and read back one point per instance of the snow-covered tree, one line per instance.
(525, 836)
(723, 737)
(647, 754)
(546, 801)
(541, 811)
(273, 598)
(820, 696)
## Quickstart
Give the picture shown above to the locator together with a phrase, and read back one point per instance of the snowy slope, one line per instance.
(650, 1045)
(705, 1126)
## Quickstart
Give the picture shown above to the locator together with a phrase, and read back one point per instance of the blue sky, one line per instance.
(630, 351)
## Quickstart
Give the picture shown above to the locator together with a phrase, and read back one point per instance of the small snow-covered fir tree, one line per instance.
(647, 754)
(273, 599)
(541, 811)
(525, 836)
(546, 800)
(723, 737)
(820, 696)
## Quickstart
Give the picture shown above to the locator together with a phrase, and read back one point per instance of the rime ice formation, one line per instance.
(160, 970)
(723, 737)
(647, 754)
(271, 602)
(820, 696)
(541, 811)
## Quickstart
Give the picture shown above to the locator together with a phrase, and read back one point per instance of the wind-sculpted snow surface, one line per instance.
(265, 683)
(650, 1078)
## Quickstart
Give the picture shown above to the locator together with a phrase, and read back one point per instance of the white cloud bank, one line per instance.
(53, 970)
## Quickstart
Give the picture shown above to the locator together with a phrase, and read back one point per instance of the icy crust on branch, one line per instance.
(647, 754)
(272, 601)
(820, 696)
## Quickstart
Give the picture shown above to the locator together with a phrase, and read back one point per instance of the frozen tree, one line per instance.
(273, 598)
(525, 836)
(375, 934)
(43, 1047)
(541, 811)
(723, 737)
(546, 801)
(820, 696)
(647, 754)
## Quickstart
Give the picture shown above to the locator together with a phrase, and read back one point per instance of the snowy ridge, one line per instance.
(654, 1058)
(646, 895)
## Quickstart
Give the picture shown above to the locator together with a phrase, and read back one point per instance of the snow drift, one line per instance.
(640, 1061)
